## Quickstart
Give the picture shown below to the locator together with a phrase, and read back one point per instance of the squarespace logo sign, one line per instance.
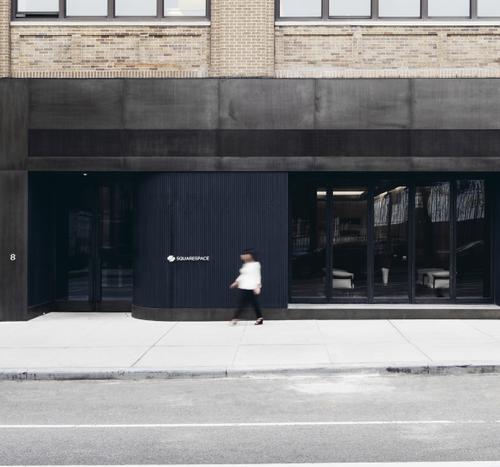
(188, 259)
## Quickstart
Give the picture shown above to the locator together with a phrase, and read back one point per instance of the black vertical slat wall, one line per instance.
(215, 215)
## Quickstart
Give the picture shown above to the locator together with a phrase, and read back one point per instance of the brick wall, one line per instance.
(4, 38)
(242, 42)
(70, 51)
(387, 51)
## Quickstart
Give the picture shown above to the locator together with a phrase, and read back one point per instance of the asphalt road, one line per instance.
(249, 420)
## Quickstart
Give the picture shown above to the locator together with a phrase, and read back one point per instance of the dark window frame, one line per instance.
(61, 14)
(424, 14)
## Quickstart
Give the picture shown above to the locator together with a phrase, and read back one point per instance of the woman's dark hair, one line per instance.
(251, 252)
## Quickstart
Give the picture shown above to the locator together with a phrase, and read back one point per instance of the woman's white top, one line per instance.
(250, 277)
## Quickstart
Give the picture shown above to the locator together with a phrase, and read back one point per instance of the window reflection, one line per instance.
(473, 264)
(488, 8)
(308, 241)
(350, 8)
(135, 8)
(185, 7)
(399, 8)
(349, 242)
(391, 241)
(87, 8)
(449, 7)
(300, 8)
(37, 6)
(116, 224)
(432, 240)
(330, 229)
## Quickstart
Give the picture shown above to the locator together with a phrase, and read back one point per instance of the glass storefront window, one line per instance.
(432, 240)
(135, 8)
(473, 262)
(488, 8)
(449, 8)
(350, 8)
(391, 241)
(399, 8)
(349, 242)
(300, 8)
(185, 7)
(369, 242)
(308, 241)
(87, 8)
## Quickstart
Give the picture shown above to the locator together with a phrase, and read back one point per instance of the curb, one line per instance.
(79, 374)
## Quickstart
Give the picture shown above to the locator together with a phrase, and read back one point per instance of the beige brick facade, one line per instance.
(242, 42)
(109, 51)
(387, 51)
(4, 38)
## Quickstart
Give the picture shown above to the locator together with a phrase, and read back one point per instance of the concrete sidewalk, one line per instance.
(115, 345)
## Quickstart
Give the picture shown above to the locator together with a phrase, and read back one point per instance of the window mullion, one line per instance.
(325, 13)
(473, 9)
(159, 9)
(424, 9)
(453, 240)
(111, 9)
(375, 9)
(62, 9)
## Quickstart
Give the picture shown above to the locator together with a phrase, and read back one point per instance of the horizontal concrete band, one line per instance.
(263, 143)
(361, 311)
(265, 164)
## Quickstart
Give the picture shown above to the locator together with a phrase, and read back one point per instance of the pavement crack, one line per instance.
(235, 356)
(493, 338)
(409, 341)
(323, 342)
(153, 345)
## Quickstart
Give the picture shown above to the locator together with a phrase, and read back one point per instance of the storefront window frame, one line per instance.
(411, 181)
(61, 15)
(424, 14)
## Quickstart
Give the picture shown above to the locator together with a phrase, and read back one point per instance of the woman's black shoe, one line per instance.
(259, 322)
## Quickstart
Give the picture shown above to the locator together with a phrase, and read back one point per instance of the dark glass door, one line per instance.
(115, 241)
(80, 244)
(308, 242)
(391, 243)
(95, 243)
(473, 245)
(349, 242)
(432, 240)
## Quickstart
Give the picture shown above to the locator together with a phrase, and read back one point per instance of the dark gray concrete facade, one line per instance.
(219, 125)
(264, 125)
(13, 199)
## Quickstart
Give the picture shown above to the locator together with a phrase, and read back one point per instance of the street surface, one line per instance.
(356, 418)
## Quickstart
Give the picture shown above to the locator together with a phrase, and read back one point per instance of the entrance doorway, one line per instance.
(389, 240)
(94, 245)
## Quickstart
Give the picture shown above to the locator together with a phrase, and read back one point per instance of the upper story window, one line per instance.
(112, 9)
(387, 9)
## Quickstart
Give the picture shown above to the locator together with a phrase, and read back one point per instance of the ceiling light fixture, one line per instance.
(349, 193)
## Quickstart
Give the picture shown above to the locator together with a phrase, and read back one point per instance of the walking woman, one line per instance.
(249, 285)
